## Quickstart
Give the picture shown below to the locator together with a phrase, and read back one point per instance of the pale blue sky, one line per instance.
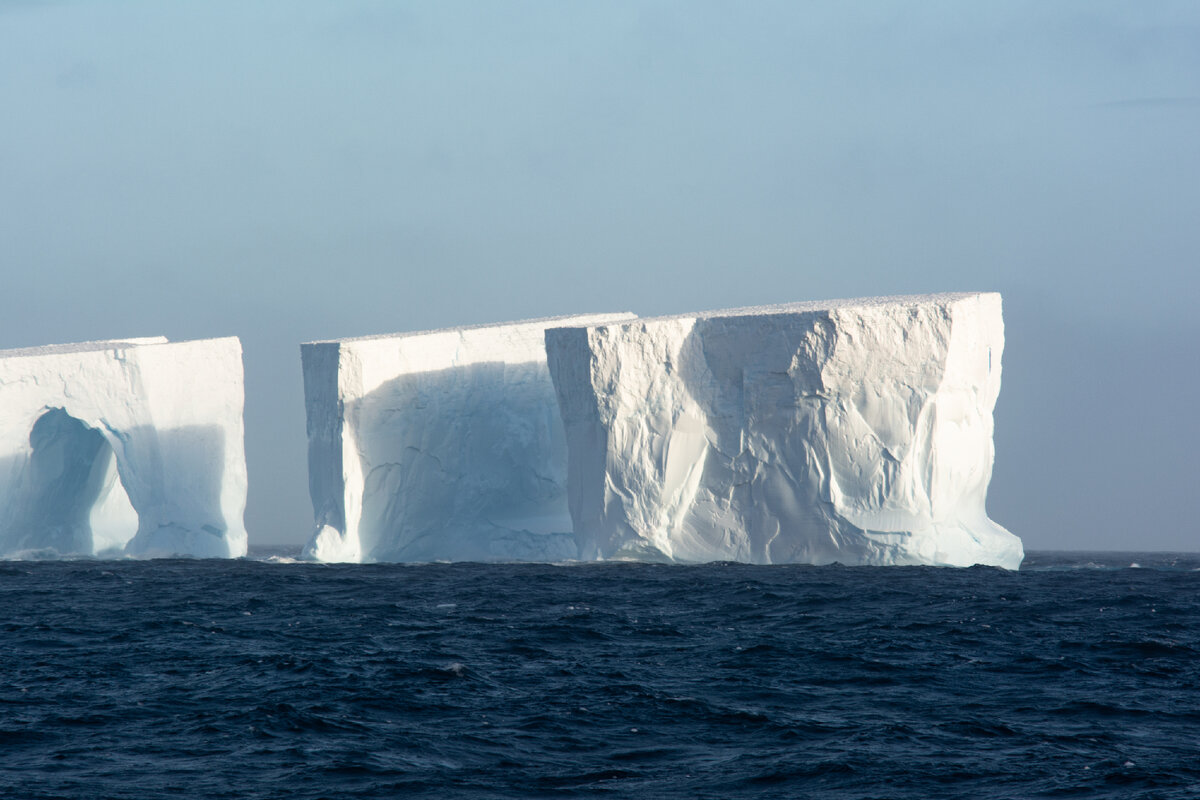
(300, 170)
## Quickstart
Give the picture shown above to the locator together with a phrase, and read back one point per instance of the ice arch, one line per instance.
(122, 448)
(74, 501)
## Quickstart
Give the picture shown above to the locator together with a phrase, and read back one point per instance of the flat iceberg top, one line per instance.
(105, 344)
(82, 347)
(816, 306)
(564, 321)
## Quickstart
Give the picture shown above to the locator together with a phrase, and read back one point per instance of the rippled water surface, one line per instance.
(1077, 676)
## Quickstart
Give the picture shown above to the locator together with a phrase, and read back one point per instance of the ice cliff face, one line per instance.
(439, 445)
(123, 448)
(854, 431)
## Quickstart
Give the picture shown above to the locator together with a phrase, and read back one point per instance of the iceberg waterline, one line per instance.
(857, 431)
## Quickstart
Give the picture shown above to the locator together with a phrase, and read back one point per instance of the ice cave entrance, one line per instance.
(79, 504)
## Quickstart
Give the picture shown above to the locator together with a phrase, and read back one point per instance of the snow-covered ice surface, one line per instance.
(122, 448)
(852, 431)
(438, 445)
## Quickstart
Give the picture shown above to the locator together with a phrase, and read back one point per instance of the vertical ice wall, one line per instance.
(856, 431)
(128, 447)
(438, 445)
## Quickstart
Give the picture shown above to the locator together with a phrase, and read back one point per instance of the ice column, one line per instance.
(854, 431)
(438, 445)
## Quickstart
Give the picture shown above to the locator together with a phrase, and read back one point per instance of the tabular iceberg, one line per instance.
(130, 447)
(855, 431)
(438, 445)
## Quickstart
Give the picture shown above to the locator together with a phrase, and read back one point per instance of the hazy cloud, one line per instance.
(1152, 103)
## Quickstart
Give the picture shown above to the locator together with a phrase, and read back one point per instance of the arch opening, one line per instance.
(76, 501)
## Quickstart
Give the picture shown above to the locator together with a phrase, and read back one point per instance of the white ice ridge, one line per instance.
(131, 447)
(439, 445)
(852, 431)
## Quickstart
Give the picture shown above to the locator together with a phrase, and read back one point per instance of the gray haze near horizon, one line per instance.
(296, 171)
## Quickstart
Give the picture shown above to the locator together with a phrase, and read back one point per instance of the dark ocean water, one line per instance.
(1078, 676)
